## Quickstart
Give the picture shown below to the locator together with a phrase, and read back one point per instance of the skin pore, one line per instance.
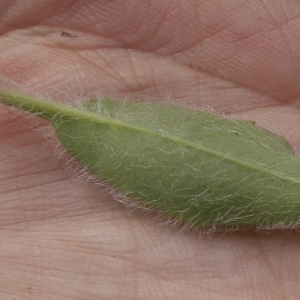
(63, 237)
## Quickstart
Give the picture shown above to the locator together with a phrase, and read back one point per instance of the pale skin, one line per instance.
(63, 237)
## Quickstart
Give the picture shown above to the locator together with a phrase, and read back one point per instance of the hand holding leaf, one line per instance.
(67, 238)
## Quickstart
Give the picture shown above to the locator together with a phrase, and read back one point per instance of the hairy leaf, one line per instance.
(192, 165)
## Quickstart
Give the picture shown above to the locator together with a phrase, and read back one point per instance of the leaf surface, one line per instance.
(194, 166)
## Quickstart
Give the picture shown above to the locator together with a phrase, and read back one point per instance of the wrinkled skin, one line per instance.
(63, 237)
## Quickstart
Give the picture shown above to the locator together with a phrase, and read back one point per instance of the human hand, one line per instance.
(64, 237)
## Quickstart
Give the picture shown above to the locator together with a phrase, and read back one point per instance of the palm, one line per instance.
(65, 237)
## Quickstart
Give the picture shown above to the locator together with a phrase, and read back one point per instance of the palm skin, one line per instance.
(63, 237)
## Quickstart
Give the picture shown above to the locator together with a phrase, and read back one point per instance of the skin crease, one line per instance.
(63, 237)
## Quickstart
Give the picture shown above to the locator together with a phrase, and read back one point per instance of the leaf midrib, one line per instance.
(53, 110)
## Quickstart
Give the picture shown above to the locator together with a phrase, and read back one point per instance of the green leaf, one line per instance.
(192, 165)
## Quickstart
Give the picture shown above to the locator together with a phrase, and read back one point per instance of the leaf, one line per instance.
(192, 165)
